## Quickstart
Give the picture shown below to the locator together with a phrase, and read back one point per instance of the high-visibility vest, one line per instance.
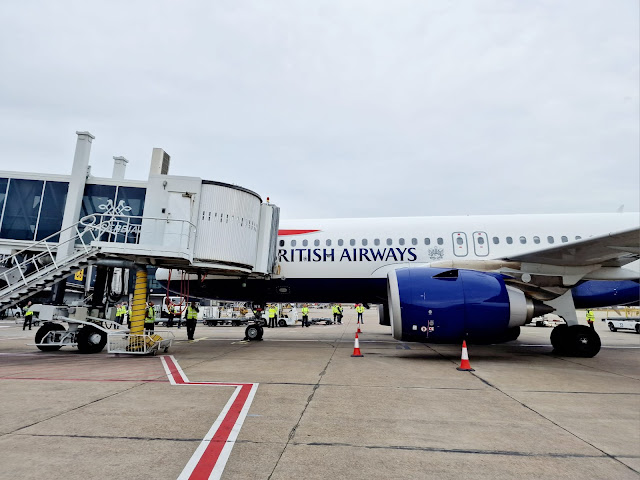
(334, 309)
(272, 312)
(590, 315)
(151, 315)
(192, 313)
(305, 311)
(28, 312)
(360, 309)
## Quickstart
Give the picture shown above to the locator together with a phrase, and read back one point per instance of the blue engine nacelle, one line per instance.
(440, 305)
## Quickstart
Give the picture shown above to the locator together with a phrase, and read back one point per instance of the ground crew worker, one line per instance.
(28, 316)
(334, 309)
(590, 317)
(119, 313)
(191, 317)
(150, 318)
(360, 310)
(272, 316)
(129, 318)
(305, 316)
(125, 313)
(171, 308)
(339, 310)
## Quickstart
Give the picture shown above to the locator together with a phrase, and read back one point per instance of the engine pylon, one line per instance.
(356, 348)
(465, 366)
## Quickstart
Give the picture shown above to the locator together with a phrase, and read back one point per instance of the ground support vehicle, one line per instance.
(548, 320)
(622, 323)
(323, 320)
(234, 322)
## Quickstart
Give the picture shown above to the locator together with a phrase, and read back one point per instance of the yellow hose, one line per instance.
(139, 305)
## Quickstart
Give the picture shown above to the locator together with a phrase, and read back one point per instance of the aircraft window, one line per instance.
(414, 241)
(389, 241)
(293, 243)
(536, 239)
(340, 243)
(305, 243)
(316, 243)
(496, 240)
(523, 240)
(480, 240)
(564, 239)
(440, 241)
(459, 241)
(401, 241)
(427, 241)
(328, 243)
(550, 239)
(509, 240)
(578, 237)
(282, 243)
(352, 242)
(364, 242)
(376, 241)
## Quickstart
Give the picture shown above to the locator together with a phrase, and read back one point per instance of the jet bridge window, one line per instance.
(509, 240)
(440, 241)
(523, 240)
(550, 239)
(536, 239)
(496, 240)
(564, 239)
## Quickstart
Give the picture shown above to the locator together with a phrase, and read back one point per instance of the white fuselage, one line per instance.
(370, 247)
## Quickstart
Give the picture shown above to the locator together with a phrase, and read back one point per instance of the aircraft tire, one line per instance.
(582, 341)
(42, 332)
(254, 332)
(91, 340)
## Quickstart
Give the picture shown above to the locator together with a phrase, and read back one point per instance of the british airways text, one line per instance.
(347, 255)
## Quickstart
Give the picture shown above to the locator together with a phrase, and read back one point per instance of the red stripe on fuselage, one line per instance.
(295, 232)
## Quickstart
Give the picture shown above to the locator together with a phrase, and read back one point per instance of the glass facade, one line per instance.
(33, 209)
(22, 207)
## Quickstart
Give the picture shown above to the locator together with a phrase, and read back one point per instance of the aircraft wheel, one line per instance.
(582, 341)
(254, 332)
(43, 331)
(91, 340)
(612, 328)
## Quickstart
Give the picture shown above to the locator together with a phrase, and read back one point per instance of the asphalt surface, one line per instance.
(402, 411)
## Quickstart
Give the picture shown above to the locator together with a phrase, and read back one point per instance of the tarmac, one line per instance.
(402, 411)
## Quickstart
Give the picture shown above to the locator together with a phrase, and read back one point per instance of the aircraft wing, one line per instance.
(612, 250)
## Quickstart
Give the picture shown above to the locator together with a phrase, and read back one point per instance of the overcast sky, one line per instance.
(337, 108)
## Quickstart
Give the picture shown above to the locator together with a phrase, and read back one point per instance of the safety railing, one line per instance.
(143, 344)
(25, 266)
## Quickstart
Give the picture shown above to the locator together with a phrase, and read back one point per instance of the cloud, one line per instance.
(357, 108)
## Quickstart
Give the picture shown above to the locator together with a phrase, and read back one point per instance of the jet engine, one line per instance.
(446, 306)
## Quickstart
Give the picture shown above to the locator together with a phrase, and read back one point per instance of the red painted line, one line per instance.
(211, 454)
(295, 232)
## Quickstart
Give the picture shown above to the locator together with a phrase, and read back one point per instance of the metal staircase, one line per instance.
(26, 273)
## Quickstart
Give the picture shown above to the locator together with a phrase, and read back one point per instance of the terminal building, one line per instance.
(170, 221)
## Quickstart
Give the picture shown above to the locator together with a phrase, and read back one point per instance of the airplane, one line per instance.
(453, 278)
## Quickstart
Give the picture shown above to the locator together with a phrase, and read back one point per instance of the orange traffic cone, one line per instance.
(359, 331)
(465, 366)
(356, 348)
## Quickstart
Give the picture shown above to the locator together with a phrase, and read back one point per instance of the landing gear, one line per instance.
(254, 332)
(91, 340)
(575, 340)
